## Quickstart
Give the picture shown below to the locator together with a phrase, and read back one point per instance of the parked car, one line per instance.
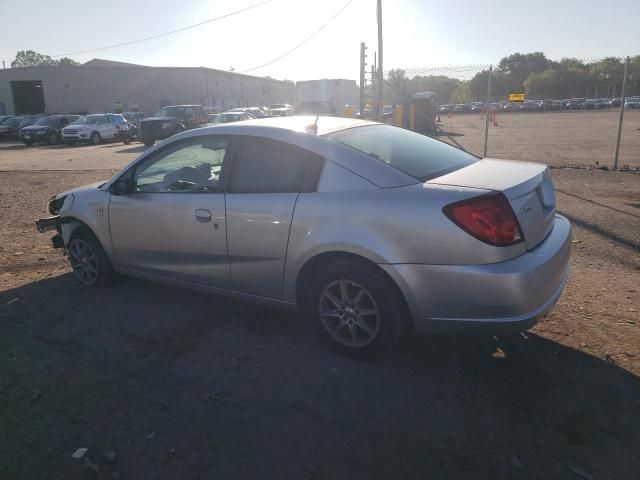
(632, 102)
(94, 128)
(368, 229)
(316, 108)
(231, 116)
(281, 110)
(256, 112)
(46, 129)
(10, 128)
(575, 104)
(171, 120)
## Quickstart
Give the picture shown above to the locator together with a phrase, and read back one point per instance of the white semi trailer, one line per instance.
(326, 96)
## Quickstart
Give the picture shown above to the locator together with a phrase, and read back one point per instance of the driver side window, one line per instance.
(189, 167)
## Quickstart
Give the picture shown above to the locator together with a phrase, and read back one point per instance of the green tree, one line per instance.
(66, 61)
(31, 58)
(441, 85)
(461, 94)
(518, 66)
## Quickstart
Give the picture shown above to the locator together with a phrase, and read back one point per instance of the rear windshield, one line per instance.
(417, 155)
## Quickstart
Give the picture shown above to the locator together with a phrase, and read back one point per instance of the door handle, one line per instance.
(203, 215)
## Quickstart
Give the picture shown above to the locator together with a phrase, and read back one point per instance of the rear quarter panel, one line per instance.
(403, 225)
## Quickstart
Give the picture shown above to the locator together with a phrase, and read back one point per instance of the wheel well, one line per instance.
(305, 277)
(81, 230)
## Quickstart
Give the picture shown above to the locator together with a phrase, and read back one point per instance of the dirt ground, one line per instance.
(184, 385)
(554, 138)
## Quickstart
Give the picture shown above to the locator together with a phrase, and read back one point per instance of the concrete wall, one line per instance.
(96, 89)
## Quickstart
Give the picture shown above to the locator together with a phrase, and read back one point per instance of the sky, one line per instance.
(417, 33)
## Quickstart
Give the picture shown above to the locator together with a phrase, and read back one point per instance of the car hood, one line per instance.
(159, 119)
(34, 128)
(84, 188)
(78, 127)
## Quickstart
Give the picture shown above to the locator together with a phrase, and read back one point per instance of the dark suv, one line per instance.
(171, 120)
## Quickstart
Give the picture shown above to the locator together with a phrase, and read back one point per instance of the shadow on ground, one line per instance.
(184, 385)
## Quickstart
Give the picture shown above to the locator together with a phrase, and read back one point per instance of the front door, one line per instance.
(174, 224)
(264, 183)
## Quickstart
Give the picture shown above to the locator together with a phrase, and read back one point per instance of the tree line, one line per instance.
(530, 73)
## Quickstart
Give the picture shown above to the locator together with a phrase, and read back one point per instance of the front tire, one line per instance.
(90, 263)
(53, 139)
(148, 142)
(95, 138)
(355, 309)
(28, 143)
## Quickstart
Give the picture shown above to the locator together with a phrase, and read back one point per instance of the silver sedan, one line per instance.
(367, 229)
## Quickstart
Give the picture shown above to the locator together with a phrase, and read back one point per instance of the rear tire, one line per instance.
(53, 139)
(91, 265)
(355, 309)
(28, 143)
(148, 142)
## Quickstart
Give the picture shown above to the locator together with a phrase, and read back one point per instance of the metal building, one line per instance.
(106, 86)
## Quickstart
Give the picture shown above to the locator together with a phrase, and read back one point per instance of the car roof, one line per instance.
(301, 124)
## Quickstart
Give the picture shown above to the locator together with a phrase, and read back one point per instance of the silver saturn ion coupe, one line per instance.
(368, 229)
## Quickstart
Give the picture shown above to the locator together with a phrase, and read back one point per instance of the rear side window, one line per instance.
(417, 155)
(268, 166)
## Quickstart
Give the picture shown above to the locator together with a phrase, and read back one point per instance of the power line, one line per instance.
(335, 15)
(251, 7)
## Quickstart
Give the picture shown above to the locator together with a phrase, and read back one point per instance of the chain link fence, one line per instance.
(569, 116)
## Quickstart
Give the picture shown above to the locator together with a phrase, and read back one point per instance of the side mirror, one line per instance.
(123, 186)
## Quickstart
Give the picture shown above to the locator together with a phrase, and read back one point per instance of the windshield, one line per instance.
(417, 155)
(170, 112)
(47, 121)
(88, 120)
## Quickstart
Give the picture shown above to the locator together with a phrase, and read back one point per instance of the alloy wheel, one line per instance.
(349, 313)
(83, 261)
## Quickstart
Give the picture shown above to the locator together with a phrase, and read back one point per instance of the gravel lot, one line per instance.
(554, 138)
(184, 385)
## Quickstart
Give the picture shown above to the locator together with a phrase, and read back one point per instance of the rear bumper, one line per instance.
(504, 297)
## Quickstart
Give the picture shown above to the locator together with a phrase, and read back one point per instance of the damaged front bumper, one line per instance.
(53, 223)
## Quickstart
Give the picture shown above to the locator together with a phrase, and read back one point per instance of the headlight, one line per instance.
(55, 204)
(166, 125)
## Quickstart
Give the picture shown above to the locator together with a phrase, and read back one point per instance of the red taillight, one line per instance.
(488, 218)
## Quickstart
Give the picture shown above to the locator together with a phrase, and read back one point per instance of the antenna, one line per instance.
(313, 127)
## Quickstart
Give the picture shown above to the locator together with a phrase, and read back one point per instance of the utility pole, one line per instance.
(380, 69)
(373, 90)
(622, 93)
(363, 67)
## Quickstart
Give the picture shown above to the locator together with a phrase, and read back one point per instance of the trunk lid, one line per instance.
(527, 186)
